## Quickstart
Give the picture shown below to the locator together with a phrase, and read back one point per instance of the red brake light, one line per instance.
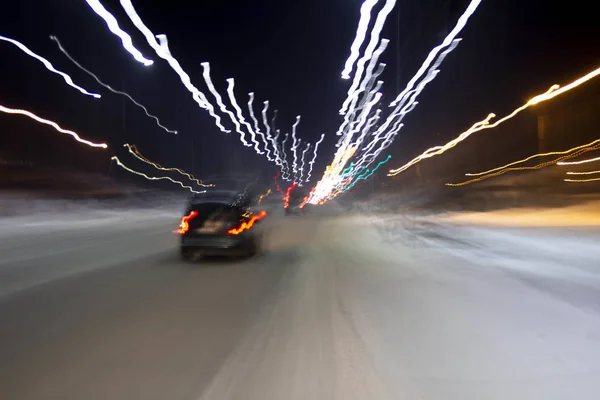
(247, 225)
(184, 225)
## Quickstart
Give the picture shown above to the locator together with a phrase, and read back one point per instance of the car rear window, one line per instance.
(215, 211)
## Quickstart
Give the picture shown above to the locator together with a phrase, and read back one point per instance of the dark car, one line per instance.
(220, 225)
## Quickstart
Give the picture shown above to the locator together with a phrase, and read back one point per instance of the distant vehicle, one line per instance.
(295, 204)
(221, 224)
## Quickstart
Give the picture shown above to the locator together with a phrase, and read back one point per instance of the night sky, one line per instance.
(288, 52)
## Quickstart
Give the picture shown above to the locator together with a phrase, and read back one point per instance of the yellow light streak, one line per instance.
(583, 173)
(579, 162)
(551, 93)
(153, 178)
(582, 180)
(53, 124)
(136, 153)
(260, 199)
(534, 167)
(552, 153)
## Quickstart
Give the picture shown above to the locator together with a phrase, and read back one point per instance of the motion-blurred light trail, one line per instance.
(277, 175)
(163, 52)
(552, 153)
(154, 178)
(286, 199)
(285, 172)
(582, 180)
(197, 95)
(551, 93)
(217, 96)
(366, 174)
(81, 67)
(386, 135)
(349, 105)
(160, 45)
(584, 173)
(579, 162)
(295, 144)
(592, 146)
(113, 26)
(262, 196)
(240, 117)
(255, 120)
(247, 225)
(133, 150)
(278, 160)
(361, 32)
(49, 66)
(303, 158)
(268, 133)
(53, 124)
(312, 162)
(462, 22)
(375, 34)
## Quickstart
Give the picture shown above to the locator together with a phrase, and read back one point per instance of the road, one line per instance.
(339, 307)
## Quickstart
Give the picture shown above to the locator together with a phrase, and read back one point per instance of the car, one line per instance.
(220, 225)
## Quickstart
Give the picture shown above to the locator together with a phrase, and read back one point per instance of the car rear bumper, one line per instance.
(218, 244)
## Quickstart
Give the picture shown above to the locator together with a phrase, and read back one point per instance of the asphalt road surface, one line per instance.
(339, 308)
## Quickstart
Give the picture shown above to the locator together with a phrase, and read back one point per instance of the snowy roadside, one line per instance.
(26, 215)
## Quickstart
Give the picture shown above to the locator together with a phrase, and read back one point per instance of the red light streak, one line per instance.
(286, 199)
(184, 226)
(279, 189)
(247, 225)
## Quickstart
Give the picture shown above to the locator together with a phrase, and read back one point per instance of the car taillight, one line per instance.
(248, 224)
(184, 225)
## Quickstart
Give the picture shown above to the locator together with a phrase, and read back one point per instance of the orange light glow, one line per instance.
(247, 225)
(184, 226)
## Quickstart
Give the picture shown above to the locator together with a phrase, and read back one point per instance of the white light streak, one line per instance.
(113, 26)
(285, 170)
(268, 128)
(462, 21)
(300, 180)
(295, 144)
(160, 45)
(240, 116)
(375, 32)
(361, 32)
(53, 124)
(253, 117)
(578, 162)
(197, 95)
(62, 49)
(314, 157)
(49, 66)
(218, 98)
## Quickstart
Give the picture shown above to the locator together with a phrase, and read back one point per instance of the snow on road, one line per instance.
(442, 317)
(360, 307)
